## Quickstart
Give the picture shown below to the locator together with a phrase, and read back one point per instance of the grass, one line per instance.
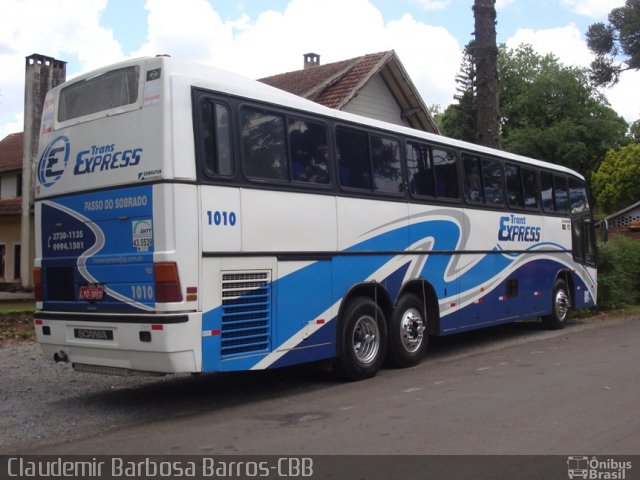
(18, 306)
(16, 322)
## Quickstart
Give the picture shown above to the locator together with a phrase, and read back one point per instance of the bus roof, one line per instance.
(212, 78)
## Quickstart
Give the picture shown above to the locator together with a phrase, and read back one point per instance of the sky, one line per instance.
(259, 38)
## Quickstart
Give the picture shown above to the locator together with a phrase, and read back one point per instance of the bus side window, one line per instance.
(420, 169)
(514, 185)
(263, 145)
(387, 170)
(530, 188)
(473, 191)
(578, 196)
(546, 186)
(309, 152)
(561, 193)
(352, 151)
(493, 182)
(446, 170)
(216, 136)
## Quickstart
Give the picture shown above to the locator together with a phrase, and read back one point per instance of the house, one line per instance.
(626, 221)
(10, 207)
(375, 86)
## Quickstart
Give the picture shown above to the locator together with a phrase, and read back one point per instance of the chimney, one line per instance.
(311, 60)
(41, 75)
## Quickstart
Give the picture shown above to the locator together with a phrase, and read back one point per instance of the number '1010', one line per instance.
(221, 218)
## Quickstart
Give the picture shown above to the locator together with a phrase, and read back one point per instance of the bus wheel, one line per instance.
(362, 340)
(408, 336)
(560, 306)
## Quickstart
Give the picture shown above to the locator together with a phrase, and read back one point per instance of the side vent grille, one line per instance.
(246, 313)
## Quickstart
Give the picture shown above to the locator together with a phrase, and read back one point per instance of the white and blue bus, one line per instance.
(191, 220)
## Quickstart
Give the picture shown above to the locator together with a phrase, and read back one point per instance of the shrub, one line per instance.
(619, 273)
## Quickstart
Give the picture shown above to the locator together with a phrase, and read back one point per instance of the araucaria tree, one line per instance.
(485, 54)
(459, 119)
(616, 45)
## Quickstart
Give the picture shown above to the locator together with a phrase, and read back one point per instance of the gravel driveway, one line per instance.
(41, 400)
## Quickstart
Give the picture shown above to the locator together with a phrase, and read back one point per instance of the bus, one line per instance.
(193, 220)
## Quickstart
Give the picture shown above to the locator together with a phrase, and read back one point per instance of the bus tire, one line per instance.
(408, 333)
(560, 306)
(362, 340)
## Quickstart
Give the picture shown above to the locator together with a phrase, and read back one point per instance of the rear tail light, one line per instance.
(167, 283)
(37, 284)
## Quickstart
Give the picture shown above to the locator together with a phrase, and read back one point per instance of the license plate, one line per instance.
(92, 334)
(91, 292)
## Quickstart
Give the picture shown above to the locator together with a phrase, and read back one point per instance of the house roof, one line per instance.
(11, 153)
(623, 211)
(336, 84)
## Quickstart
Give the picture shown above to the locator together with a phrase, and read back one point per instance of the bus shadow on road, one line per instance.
(147, 398)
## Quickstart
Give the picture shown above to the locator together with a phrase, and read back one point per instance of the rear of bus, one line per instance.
(116, 270)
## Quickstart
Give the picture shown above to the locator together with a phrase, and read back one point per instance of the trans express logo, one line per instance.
(514, 228)
(99, 158)
(53, 161)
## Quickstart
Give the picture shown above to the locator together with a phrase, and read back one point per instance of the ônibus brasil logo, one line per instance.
(53, 161)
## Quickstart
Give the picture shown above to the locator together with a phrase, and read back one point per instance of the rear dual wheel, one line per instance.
(408, 335)
(362, 339)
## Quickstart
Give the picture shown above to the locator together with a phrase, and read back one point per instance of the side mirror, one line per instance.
(604, 230)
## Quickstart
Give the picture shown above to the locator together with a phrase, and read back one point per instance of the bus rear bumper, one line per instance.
(122, 345)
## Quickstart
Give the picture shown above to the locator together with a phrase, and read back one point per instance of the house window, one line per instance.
(19, 186)
(3, 251)
(16, 261)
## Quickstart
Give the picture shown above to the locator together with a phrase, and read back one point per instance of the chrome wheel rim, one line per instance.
(561, 305)
(365, 340)
(412, 327)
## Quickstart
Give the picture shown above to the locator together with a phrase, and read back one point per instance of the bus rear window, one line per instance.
(106, 91)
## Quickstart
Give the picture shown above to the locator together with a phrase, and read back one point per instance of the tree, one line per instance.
(621, 36)
(553, 112)
(549, 111)
(459, 119)
(634, 131)
(485, 54)
(615, 184)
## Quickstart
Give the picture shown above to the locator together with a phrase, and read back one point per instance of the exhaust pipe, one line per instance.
(60, 357)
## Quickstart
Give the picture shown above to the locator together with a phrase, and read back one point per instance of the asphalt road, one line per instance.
(515, 389)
